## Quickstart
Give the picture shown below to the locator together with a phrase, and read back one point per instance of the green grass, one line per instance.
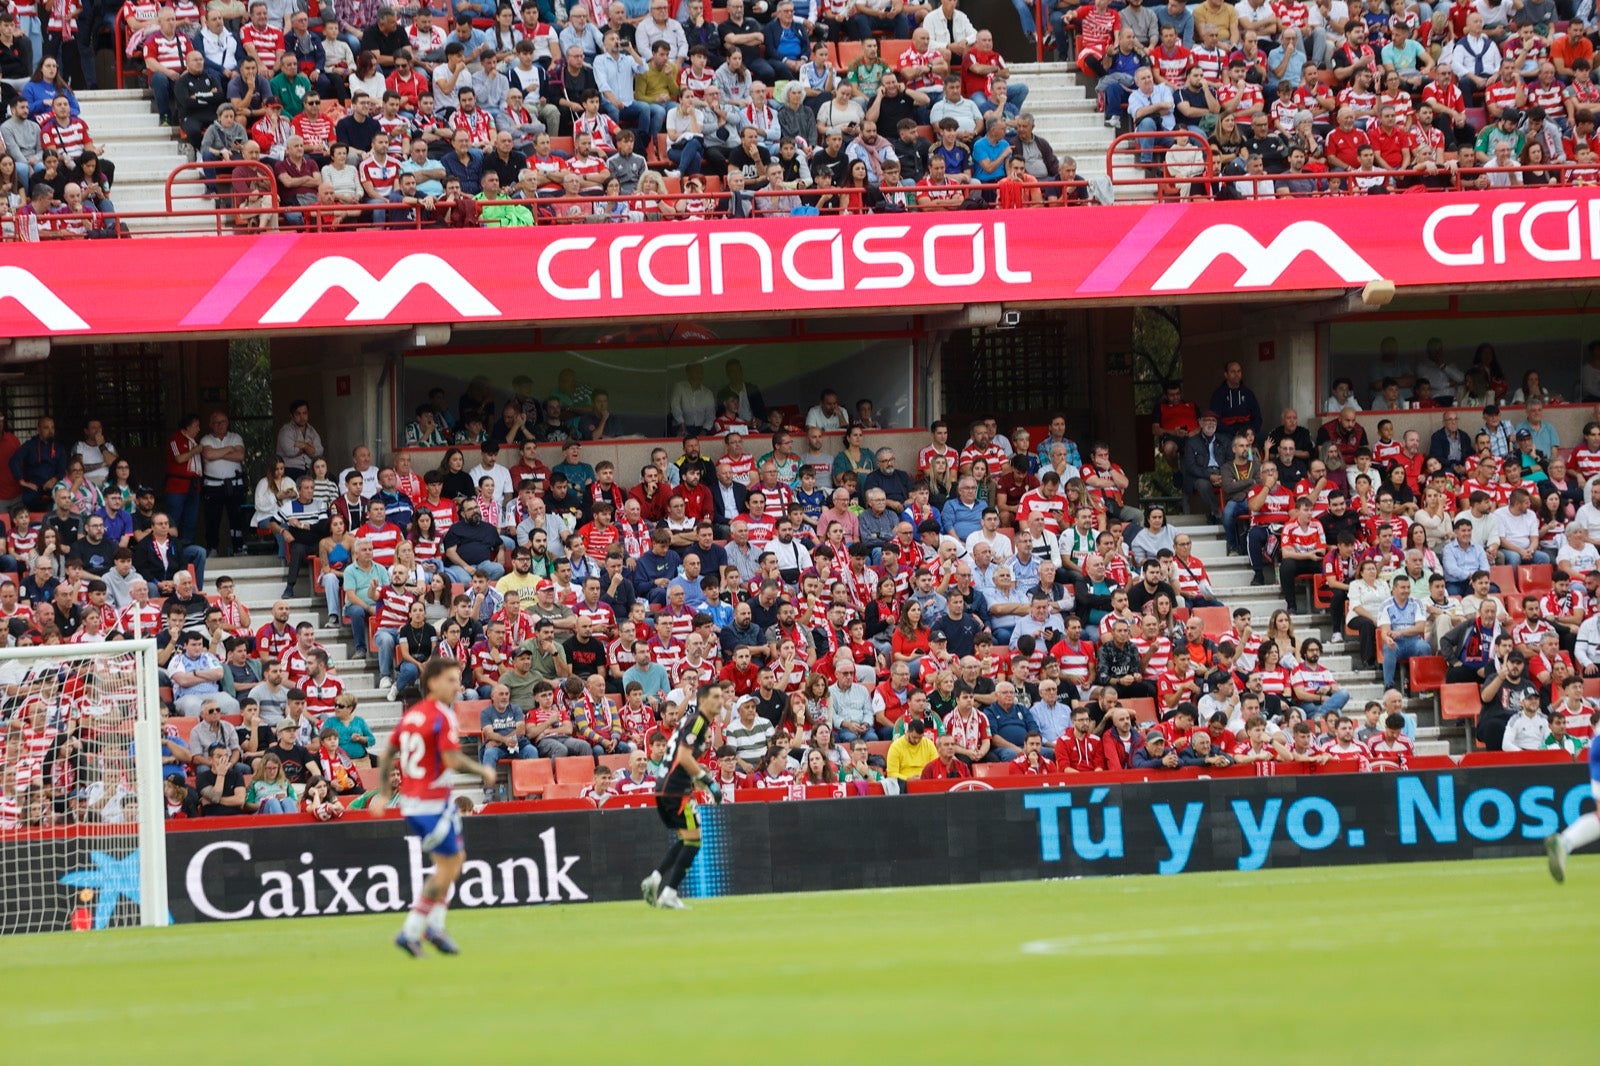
(1436, 963)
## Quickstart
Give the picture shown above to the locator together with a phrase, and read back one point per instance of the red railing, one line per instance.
(199, 182)
(204, 191)
(1197, 178)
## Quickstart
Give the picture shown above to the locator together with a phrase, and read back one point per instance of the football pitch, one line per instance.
(1462, 962)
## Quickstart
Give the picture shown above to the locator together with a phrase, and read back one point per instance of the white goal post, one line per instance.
(82, 809)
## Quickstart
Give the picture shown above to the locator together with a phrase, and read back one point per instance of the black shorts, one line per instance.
(677, 812)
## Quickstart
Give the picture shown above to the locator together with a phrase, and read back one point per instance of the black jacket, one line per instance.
(148, 561)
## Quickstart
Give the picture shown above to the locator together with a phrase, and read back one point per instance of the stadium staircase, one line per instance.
(124, 122)
(259, 579)
(1063, 106)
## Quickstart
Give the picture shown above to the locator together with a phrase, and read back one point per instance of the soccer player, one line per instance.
(425, 747)
(675, 799)
(1586, 829)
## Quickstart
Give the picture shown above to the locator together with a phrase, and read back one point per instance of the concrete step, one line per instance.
(92, 96)
(1049, 68)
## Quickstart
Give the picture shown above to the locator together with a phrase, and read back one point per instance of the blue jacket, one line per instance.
(38, 461)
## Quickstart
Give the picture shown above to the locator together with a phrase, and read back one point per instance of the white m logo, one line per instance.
(37, 300)
(1263, 266)
(376, 298)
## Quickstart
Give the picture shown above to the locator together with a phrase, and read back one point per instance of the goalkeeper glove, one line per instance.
(705, 781)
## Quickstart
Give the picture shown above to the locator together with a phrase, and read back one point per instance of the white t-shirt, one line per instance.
(221, 469)
(95, 467)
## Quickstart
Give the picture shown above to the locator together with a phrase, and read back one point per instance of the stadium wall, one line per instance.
(236, 871)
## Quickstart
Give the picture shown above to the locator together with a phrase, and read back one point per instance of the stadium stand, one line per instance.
(705, 111)
(841, 593)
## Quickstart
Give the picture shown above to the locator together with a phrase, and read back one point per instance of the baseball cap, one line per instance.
(1524, 434)
(938, 636)
(273, 101)
(287, 726)
(545, 585)
(1208, 413)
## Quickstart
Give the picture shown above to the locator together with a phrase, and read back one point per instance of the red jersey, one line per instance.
(267, 44)
(1445, 96)
(1397, 750)
(1343, 146)
(1309, 539)
(1172, 67)
(1391, 145)
(272, 642)
(444, 515)
(1082, 754)
(384, 538)
(1097, 30)
(926, 456)
(168, 53)
(1585, 462)
(425, 734)
(1051, 508)
(321, 695)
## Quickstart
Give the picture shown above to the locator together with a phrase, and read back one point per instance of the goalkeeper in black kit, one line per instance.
(675, 799)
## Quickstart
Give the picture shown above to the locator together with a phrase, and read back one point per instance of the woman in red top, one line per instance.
(183, 478)
(909, 642)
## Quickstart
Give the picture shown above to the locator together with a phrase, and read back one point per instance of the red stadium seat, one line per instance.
(1535, 577)
(469, 715)
(184, 726)
(1144, 710)
(530, 777)
(568, 791)
(616, 762)
(1215, 620)
(1504, 578)
(878, 747)
(1591, 688)
(1459, 700)
(992, 769)
(575, 770)
(1426, 672)
(1431, 762)
(891, 50)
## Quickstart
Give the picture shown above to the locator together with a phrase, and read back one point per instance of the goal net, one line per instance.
(82, 842)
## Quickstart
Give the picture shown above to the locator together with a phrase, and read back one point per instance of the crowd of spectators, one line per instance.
(979, 598)
(447, 113)
(1300, 99)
